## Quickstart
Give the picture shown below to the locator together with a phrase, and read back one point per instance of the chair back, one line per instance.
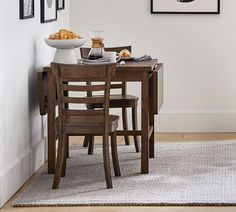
(74, 78)
(84, 54)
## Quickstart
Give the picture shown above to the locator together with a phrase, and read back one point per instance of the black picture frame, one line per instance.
(184, 12)
(22, 10)
(61, 7)
(44, 19)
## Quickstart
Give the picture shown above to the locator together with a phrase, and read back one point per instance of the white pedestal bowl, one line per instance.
(65, 52)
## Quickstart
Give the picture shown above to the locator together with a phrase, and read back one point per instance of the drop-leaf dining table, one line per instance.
(149, 73)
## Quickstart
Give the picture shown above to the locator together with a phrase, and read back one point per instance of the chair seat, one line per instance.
(118, 97)
(80, 125)
(119, 101)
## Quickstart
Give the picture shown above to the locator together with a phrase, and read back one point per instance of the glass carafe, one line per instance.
(97, 48)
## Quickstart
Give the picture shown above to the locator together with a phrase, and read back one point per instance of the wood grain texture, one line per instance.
(122, 100)
(145, 124)
(86, 122)
(132, 71)
(51, 124)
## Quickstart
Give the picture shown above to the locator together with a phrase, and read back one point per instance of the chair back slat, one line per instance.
(85, 79)
(83, 100)
(84, 112)
(71, 83)
(72, 72)
(85, 88)
(84, 54)
(116, 86)
(118, 49)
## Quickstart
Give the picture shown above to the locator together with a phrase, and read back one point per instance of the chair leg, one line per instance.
(60, 161)
(63, 174)
(115, 160)
(106, 161)
(86, 141)
(125, 124)
(135, 127)
(67, 148)
(91, 144)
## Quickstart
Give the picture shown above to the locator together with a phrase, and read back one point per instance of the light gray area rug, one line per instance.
(181, 174)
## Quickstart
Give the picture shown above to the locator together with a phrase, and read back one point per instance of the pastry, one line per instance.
(64, 34)
(125, 53)
(55, 36)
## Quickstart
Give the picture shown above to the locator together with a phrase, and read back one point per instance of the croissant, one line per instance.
(55, 36)
(64, 34)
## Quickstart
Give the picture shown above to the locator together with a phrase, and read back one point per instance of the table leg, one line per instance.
(51, 125)
(66, 93)
(145, 124)
(151, 119)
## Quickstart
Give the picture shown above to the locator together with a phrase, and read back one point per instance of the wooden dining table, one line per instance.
(149, 73)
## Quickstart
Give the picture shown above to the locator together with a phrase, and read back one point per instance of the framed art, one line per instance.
(60, 4)
(26, 9)
(48, 11)
(185, 6)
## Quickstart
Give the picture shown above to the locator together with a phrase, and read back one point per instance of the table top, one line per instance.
(131, 72)
(148, 65)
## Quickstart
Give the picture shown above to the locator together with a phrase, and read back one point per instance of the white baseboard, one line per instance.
(193, 121)
(15, 177)
(196, 122)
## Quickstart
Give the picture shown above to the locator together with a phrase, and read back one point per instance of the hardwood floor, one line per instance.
(163, 137)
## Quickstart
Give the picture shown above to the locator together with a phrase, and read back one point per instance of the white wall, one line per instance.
(22, 53)
(198, 51)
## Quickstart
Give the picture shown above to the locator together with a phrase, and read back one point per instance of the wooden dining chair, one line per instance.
(83, 121)
(121, 100)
